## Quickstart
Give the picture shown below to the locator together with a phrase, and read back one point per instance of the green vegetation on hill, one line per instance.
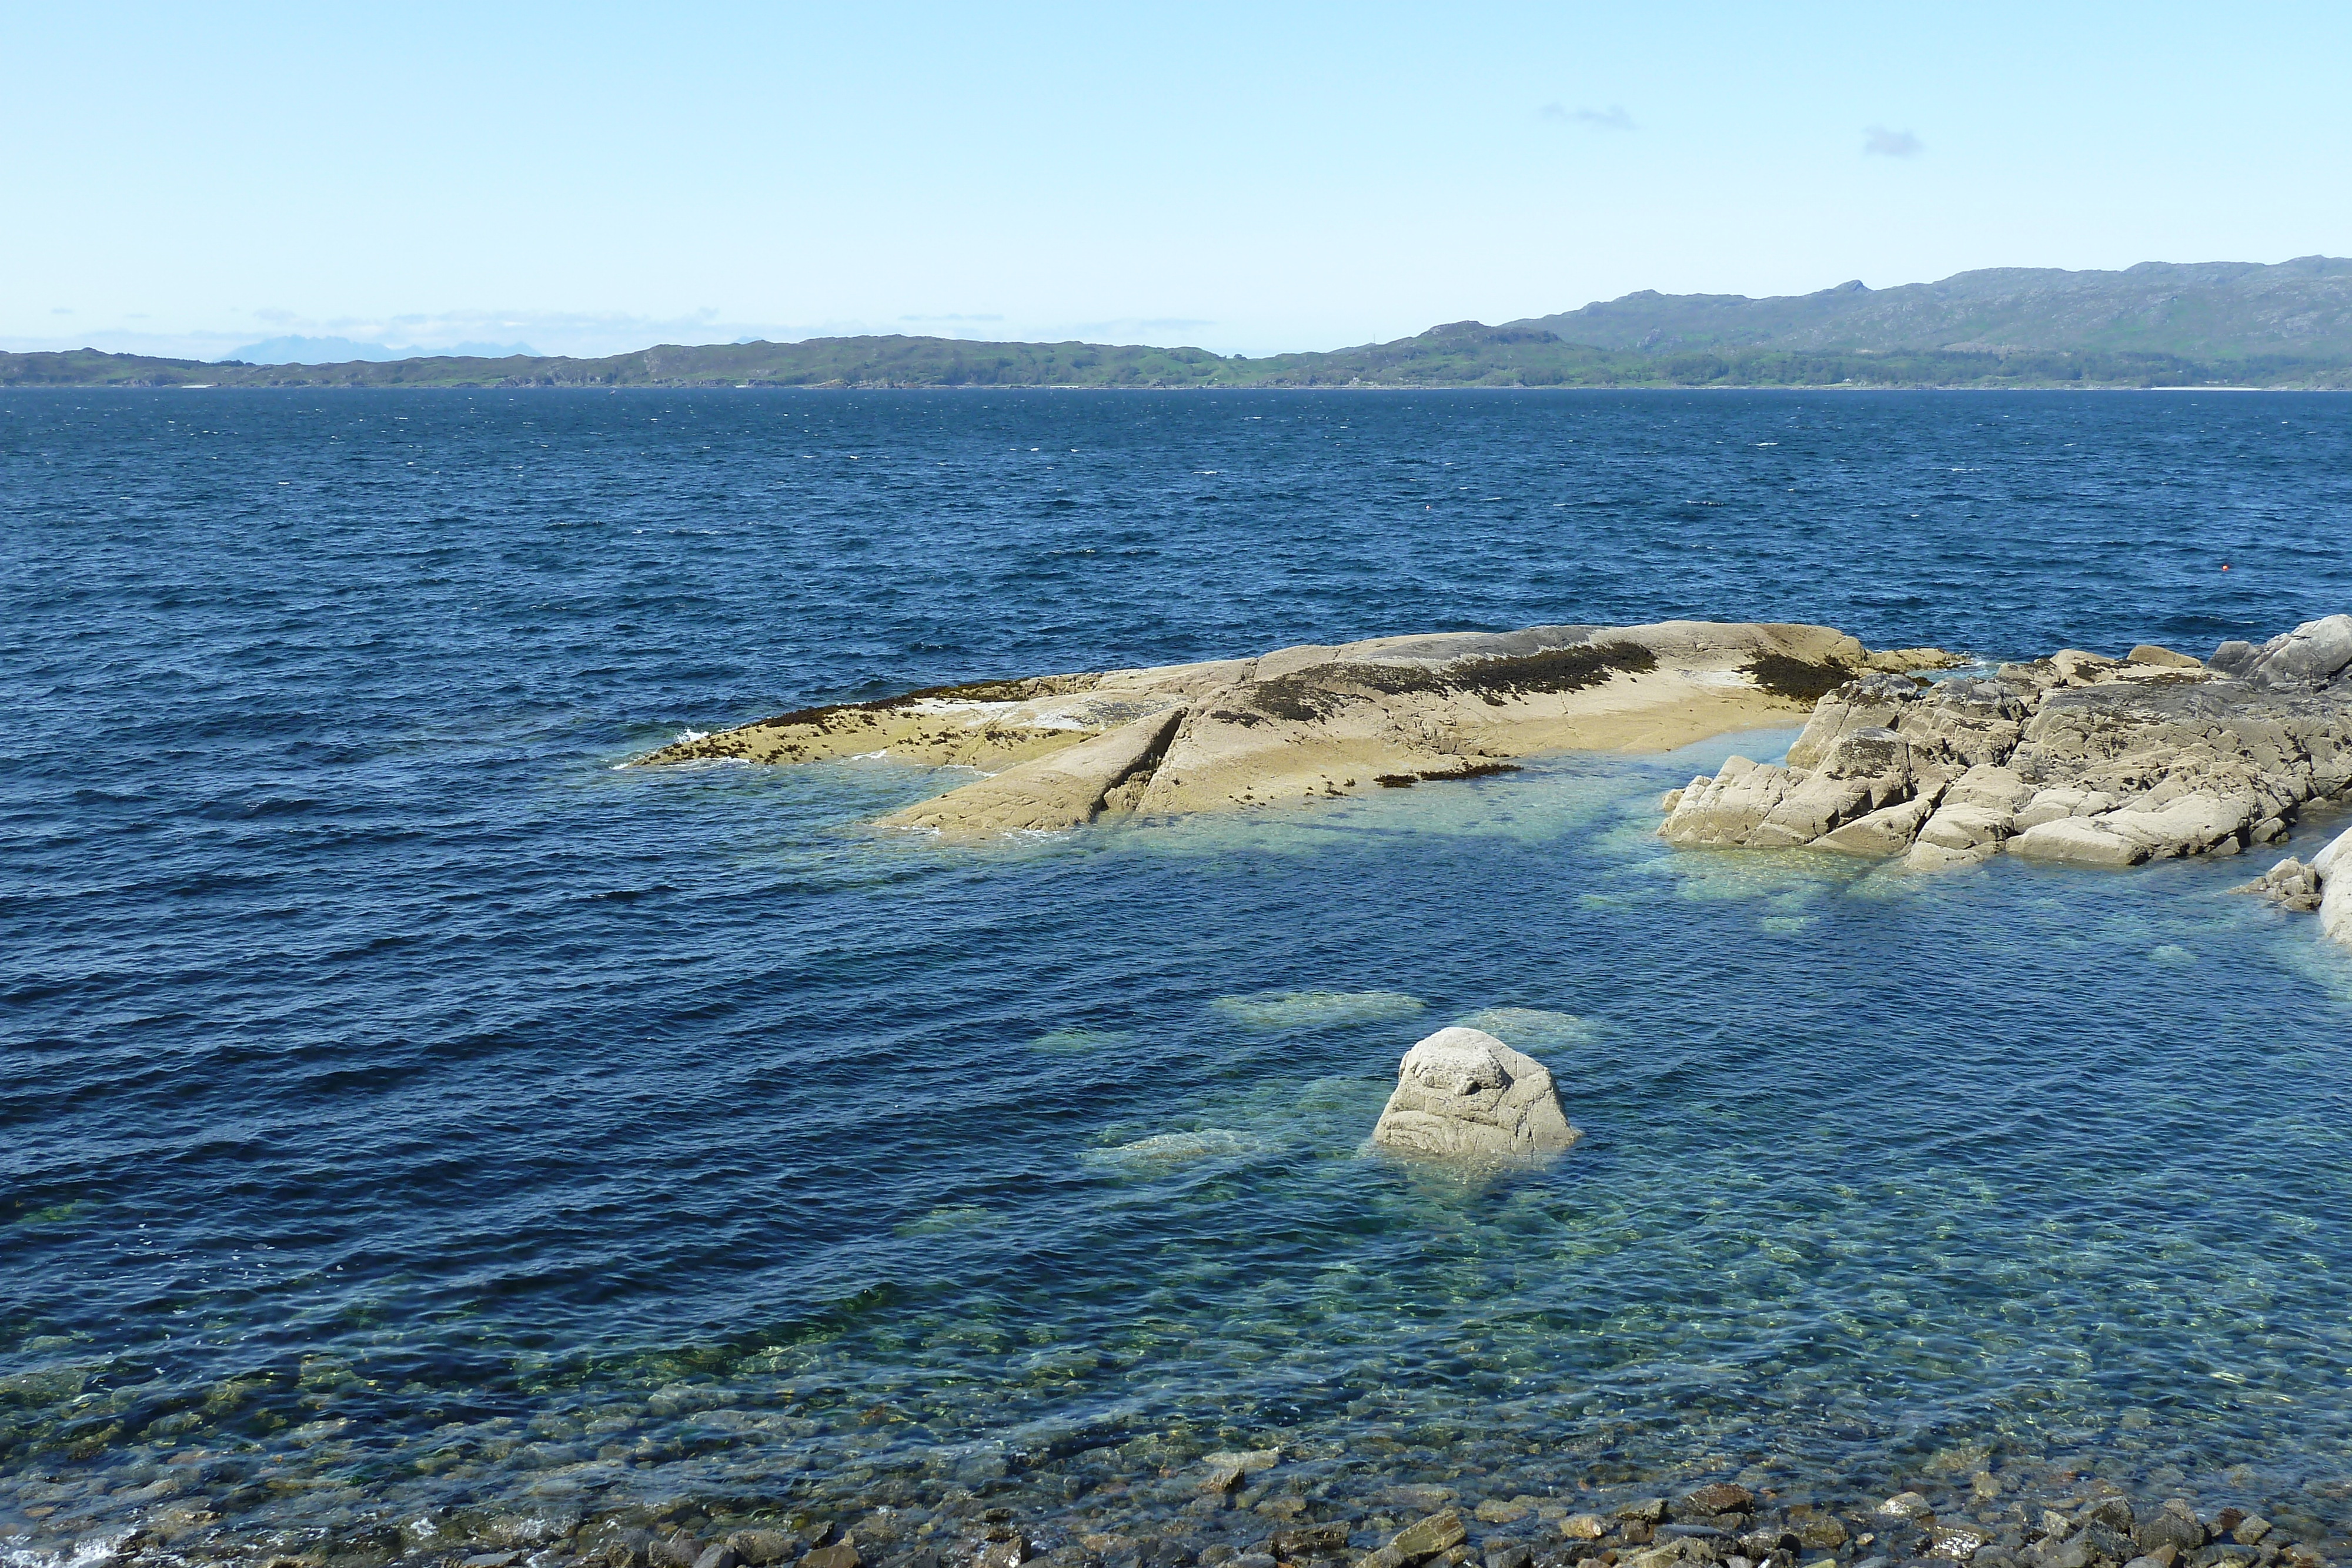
(1463, 355)
(2204, 312)
(2154, 324)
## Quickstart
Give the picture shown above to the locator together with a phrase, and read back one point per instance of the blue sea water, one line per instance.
(408, 1106)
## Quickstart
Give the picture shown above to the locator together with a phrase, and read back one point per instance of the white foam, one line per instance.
(85, 1553)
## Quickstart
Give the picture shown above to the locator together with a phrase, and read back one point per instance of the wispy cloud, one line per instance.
(1613, 117)
(951, 315)
(1878, 141)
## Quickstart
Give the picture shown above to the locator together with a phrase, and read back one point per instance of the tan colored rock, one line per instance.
(1727, 809)
(1959, 826)
(1314, 721)
(2078, 668)
(2192, 823)
(1903, 661)
(2334, 859)
(1460, 1094)
(2333, 867)
(2077, 840)
(1426, 1537)
(1888, 831)
(1066, 788)
(2163, 658)
(2056, 805)
(1991, 786)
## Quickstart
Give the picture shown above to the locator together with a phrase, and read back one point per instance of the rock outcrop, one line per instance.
(1462, 1095)
(2322, 887)
(1315, 722)
(2333, 868)
(2074, 759)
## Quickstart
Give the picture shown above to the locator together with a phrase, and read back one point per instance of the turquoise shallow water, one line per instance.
(410, 1108)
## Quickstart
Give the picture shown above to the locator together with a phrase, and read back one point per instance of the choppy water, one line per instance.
(405, 1108)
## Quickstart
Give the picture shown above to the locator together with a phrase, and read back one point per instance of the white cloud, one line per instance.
(1878, 141)
(1613, 117)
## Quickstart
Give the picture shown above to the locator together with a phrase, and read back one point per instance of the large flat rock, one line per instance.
(1311, 722)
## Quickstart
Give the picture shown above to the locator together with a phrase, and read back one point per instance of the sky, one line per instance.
(1245, 178)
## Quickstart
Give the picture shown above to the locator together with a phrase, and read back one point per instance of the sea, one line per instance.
(414, 1113)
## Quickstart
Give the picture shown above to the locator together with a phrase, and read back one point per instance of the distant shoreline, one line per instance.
(1464, 356)
(971, 387)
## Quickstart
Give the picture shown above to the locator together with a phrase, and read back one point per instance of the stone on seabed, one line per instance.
(1462, 1093)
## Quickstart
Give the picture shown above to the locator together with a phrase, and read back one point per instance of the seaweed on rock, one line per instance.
(1305, 695)
(1799, 680)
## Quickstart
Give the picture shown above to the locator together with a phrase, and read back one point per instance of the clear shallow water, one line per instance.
(406, 1108)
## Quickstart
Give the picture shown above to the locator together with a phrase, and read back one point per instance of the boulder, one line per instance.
(2163, 658)
(2189, 824)
(2175, 1525)
(2234, 658)
(1886, 831)
(1462, 1095)
(2313, 652)
(1727, 809)
(2335, 859)
(2290, 883)
(1760, 806)
(2079, 668)
(1873, 702)
(1959, 826)
(2335, 908)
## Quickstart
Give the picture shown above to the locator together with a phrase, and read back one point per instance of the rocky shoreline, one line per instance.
(1271, 1507)
(2076, 759)
(1314, 723)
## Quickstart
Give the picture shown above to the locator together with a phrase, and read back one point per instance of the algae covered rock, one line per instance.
(1460, 1094)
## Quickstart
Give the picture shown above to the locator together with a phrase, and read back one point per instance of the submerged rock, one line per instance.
(1163, 1150)
(1462, 1095)
(2290, 883)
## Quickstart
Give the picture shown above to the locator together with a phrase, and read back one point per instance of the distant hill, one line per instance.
(2213, 324)
(2203, 311)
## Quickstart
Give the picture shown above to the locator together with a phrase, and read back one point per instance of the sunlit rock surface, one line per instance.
(1314, 722)
(1462, 1095)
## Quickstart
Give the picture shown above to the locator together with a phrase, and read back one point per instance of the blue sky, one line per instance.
(187, 179)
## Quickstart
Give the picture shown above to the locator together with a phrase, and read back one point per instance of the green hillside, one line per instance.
(2205, 312)
(2154, 324)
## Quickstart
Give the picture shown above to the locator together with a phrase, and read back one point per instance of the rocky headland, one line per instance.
(1314, 723)
(2074, 759)
(2077, 758)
